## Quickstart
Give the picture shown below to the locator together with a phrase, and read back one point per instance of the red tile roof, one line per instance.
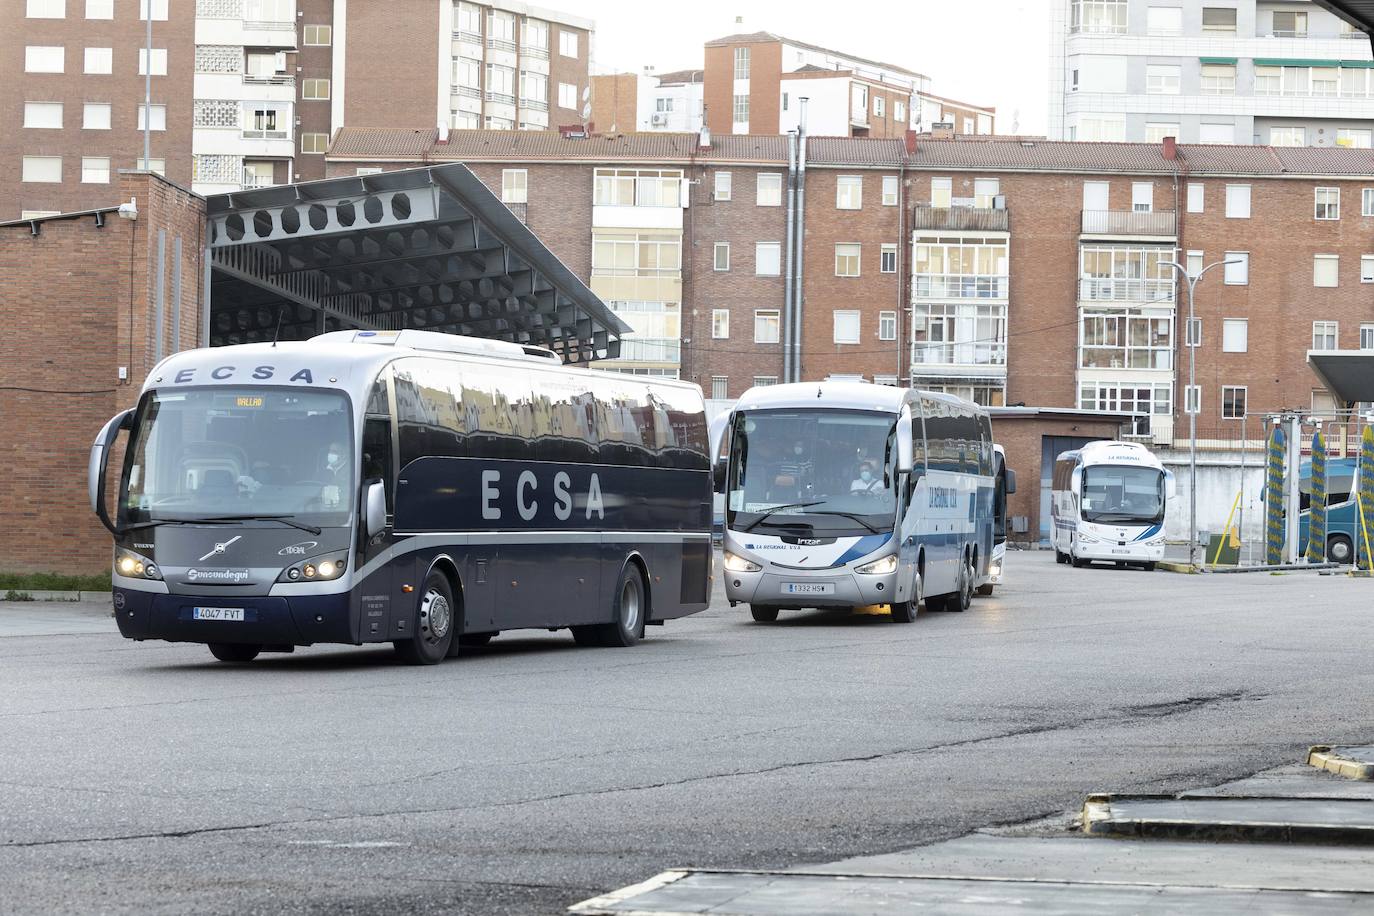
(382, 143)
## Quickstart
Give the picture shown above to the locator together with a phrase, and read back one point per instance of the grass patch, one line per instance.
(53, 582)
(12, 595)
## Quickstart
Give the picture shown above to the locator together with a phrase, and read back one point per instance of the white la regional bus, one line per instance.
(408, 487)
(1107, 503)
(844, 494)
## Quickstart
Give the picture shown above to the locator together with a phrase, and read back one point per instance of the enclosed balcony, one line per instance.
(1128, 223)
(959, 218)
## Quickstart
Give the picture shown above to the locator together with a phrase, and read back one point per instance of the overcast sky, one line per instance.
(988, 52)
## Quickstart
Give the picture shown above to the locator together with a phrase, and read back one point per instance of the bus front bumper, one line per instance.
(1118, 552)
(828, 588)
(296, 621)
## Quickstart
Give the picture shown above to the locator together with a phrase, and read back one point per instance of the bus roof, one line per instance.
(1112, 452)
(840, 396)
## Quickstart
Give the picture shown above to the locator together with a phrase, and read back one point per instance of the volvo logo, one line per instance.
(221, 547)
(298, 550)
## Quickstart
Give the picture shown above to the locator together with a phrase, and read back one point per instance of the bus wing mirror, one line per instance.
(904, 444)
(1170, 485)
(1011, 481)
(374, 508)
(99, 461)
(1076, 482)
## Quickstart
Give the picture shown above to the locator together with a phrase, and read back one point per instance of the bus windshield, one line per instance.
(215, 452)
(1120, 493)
(812, 472)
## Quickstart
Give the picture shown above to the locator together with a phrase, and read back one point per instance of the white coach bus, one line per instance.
(407, 487)
(844, 494)
(1005, 485)
(1107, 503)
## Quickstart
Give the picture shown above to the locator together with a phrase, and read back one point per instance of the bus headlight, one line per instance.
(740, 564)
(318, 569)
(134, 566)
(887, 564)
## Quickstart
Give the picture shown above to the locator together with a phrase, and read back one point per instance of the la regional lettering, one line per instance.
(526, 502)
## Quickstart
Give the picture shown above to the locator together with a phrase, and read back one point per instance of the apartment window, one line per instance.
(160, 10)
(98, 60)
(847, 259)
(1328, 203)
(567, 96)
(46, 9)
(879, 107)
(1325, 82)
(763, 381)
(1290, 24)
(1326, 270)
(1117, 339)
(1237, 272)
(1162, 79)
(43, 59)
(899, 112)
(766, 325)
(367, 170)
(722, 189)
(515, 186)
(43, 115)
(96, 116)
(1237, 201)
(1367, 337)
(1287, 136)
(768, 190)
(314, 143)
(1216, 133)
(159, 61)
(1195, 197)
(1101, 129)
(1367, 202)
(889, 190)
(767, 259)
(99, 9)
(42, 169)
(1194, 263)
(720, 324)
(1232, 402)
(319, 35)
(849, 192)
(1218, 79)
(1325, 335)
(968, 126)
(1235, 335)
(887, 259)
(536, 38)
(464, 120)
(534, 87)
(1354, 138)
(637, 188)
(741, 109)
(1219, 19)
(635, 255)
(1099, 16)
(887, 325)
(95, 169)
(721, 259)
(1142, 197)
(315, 90)
(1156, 131)
(720, 387)
(1367, 268)
(846, 324)
(158, 119)
(1164, 20)
(567, 43)
(741, 63)
(158, 166)
(941, 192)
(985, 191)
(1268, 80)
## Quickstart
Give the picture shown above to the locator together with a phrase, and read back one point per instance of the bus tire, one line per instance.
(986, 589)
(763, 613)
(435, 619)
(235, 651)
(630, 605)
(1059, 556)
(904, 611)
(1148, 567)
(1339, 549)
(962, 599)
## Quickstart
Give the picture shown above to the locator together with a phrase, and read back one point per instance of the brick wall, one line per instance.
(314, 62)
(391, 65)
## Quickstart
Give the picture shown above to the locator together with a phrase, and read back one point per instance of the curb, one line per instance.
(1099, 819)
(44, 595)
(1173, 567)
(1325, 757)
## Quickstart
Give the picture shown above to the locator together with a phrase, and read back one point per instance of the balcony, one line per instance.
(976, 359)
(269, 79)
(533, 104)
(534, 53)
(253, 180)
(504, 98)
(1304, 34)
(468, 92)
(959, 286)
(974, 218)
(520, 209)
(501, 44)
(1117, 289)
(651, 349)
(269, 25)
(1158, 224)
(469, 37)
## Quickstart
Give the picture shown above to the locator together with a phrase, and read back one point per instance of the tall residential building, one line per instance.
(754, 83)
(248, 93)
(1272, 72)
(648, 101)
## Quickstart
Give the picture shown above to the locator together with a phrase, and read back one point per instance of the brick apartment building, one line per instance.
(248, 93)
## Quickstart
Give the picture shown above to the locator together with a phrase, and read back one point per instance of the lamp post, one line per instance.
(1192, 414)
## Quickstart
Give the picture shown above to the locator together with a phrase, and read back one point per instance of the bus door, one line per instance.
(379, 597)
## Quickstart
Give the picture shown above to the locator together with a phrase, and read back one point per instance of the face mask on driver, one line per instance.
(333, 457)
(797, 450)
(865, 476)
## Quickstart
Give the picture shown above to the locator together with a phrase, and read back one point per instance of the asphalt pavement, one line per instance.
(532, 774)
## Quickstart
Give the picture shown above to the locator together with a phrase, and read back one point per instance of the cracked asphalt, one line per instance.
(523, 777)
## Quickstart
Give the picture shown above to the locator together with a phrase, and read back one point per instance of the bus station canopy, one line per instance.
(1347, 374)
(429, 248)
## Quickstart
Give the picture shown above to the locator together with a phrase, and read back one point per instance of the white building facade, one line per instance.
(1271, 72)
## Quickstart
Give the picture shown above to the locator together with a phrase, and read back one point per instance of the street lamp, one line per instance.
(1192, 414)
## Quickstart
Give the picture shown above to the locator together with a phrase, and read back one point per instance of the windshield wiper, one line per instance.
(776, 509)
(176, 521)
(1121, 517)
(284, 519)
(858, 518)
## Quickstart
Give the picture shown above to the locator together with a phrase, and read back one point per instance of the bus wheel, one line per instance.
(963, 598)
(630, 607)
(433, 634)
(1059, 556)
(763, 613)
(986, 589)
(1149, 567)
(1339, 549)
(904, 611)
(235, 651)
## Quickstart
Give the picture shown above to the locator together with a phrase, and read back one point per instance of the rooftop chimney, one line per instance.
(443, 133)
(704, 138)
(911, 142)
(1170, 148)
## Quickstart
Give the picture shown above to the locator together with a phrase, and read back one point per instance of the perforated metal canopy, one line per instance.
(428, 248)
(1347, 374)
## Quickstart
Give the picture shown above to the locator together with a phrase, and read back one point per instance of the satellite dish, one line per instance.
(586, 93)
(586, 111)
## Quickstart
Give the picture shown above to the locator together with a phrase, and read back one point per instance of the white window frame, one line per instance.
(1142, 197)
(159, 10)
(1235, 335)
(1324, 263)
(1367, 201)
(742, 56)
(1325, 329)
(852, 258)
(567, 43)
(35, 169)
(887, 325)
(1367, 268)
(567, 96)
(1194, 261)
(879, 107)
(96, 63)
(96, 108)
(717, 250)
(1326, 204)
(941, 193)
(1237, 274)
(99, 9)
(1197, 197)
(95, 169)
(720, 387)
(45, 9)
(314, 143)
(776, 256)
(325, 32)
(1163, 79)
(515, 186)
(318, 85)
(1244, 401)
(45, 59)
(887, 252)
(40, 115)
(768, 196)
(1366, 336)
(767, 315)
(891, 191)
(724, 184)
(1293, 131)
(159, 61)
(1238, 201)
(849, 192)
(845, 316)
(157, 119)
(720, 324)
(764, 381)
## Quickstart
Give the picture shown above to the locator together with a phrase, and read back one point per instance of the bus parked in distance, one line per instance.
(844, 494)
(1343, 532)
(1005, 486)
(407, 487)
(1107, 503)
